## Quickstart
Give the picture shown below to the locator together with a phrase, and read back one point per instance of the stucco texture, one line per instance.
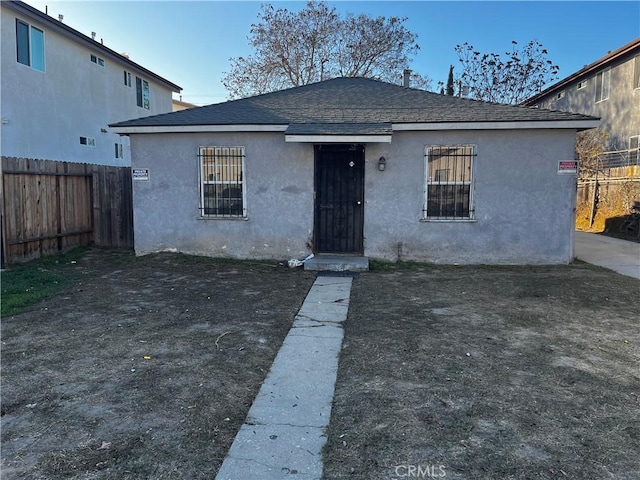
(279, 183)
(523, 208)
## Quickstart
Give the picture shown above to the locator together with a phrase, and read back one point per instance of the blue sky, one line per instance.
(190, 42)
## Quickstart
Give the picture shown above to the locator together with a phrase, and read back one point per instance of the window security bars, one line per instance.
(449, 194)
(222, 185)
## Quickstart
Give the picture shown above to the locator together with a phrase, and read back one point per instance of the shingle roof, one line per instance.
(339, 129)
(337, 106)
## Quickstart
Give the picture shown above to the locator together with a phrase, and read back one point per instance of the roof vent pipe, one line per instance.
(60, 17)
(93, 35)
(406, 77)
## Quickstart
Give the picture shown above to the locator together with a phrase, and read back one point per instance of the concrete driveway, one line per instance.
(618, 255)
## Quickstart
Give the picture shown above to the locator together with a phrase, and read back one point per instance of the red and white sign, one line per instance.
(567, 167)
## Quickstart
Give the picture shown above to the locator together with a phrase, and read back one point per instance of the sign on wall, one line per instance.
(140, 174)
(567, 167)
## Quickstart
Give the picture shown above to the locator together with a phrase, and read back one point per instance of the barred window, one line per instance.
(222, 184)
(449, 182)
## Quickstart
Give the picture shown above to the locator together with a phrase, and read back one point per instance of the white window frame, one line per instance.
(636, 72)
(582, 84)
(213, 180)
(560, 95)
(87, 142)
(30, 29)
(145, 101)
(96, 60)
(603, 85)
(431, 181)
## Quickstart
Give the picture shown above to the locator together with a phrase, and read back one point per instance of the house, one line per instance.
(178, 105)
(608, 88)
(61, 89)
(360, 167)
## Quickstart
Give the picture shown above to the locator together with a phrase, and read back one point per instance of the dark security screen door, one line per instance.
(339, 206)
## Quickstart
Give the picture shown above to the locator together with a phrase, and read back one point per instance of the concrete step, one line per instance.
(337, 263)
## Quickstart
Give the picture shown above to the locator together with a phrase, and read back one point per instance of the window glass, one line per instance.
(603, 80)
(145, 94)
(222, 182)
(37, 49)
(138, 91)
(448, 192)
(22, 42)
(606, 82)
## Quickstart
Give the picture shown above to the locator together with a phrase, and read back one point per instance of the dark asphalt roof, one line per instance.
(339, 129)
(336, 106)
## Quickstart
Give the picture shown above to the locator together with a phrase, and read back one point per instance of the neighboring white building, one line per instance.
(61, 89)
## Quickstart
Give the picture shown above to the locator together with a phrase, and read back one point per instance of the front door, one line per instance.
(339, 204)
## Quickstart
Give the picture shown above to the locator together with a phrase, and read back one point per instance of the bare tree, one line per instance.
(589, 145)
(298, 48)
(512, 79)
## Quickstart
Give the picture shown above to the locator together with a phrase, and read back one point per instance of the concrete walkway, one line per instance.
(284, 432)
(621, 256)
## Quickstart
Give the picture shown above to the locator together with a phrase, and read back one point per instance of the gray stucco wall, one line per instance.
(524, 209)
(279, 181)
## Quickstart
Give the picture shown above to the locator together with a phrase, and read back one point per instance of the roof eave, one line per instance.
(333, 138)
(135, 129)
(65, 30)
(572, 124)
(585, 123)
(583, 72)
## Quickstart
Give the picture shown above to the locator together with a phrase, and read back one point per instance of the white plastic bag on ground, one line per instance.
(294, 262)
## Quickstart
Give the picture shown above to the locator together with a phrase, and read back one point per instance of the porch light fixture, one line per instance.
(382, 164)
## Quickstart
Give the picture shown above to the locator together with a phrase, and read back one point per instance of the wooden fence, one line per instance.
(49, 206)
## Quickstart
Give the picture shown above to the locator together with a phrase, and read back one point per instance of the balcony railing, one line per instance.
(619, 158)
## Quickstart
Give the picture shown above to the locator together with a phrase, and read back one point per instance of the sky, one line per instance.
(190, 42)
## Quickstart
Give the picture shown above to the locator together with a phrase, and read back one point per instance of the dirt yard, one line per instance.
(489, 373)
(145, 369)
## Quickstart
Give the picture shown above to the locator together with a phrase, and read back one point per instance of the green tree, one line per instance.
(518, 75)
(450, 81)
(297, 48)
